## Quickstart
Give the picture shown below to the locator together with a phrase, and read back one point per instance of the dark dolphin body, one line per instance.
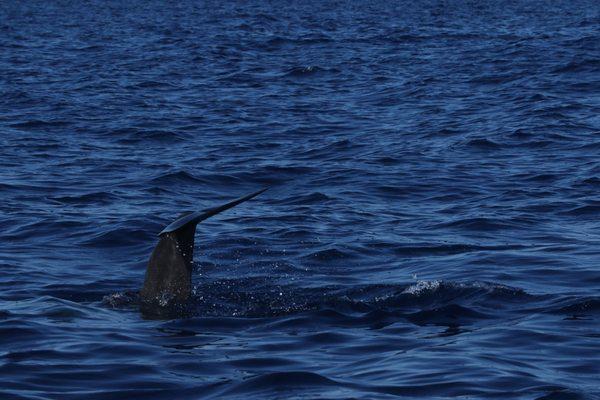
(168, 282)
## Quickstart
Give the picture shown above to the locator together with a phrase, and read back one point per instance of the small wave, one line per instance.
(141, 135)
(313, 198)
(327, 338)
(10, 333)
(590, 146)
(439, 293)
(88, 292)
(589, 209)
(294, 233)
(543, 177)
(301, 72)
(118, 237)
(276, 381)
(45, 146)
(449, 315)
(394, 36)
(580, 307)
(177, 177)
(88, 198)
(397, 191)
(242, 78)
(563, 394)
(448, 249)
(477, 224)
(593, 181)
(64, 312)
(45, 228)
(38, 124)
(331, 150)
(151, 85)
(89, 48)
(388, 161)
(328, 255)
(578, 66)
(262, 362)
(286, 170)
(279, 41)
(493, 79)
(538, 144)
(483, 144)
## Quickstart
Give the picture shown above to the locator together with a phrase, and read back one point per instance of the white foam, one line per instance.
(422, 286)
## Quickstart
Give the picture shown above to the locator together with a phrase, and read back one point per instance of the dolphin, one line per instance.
(168, 280)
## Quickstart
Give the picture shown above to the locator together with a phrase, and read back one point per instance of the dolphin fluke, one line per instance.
(198, 216)
(169, 274)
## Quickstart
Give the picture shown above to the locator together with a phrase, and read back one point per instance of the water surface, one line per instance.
(432, 229)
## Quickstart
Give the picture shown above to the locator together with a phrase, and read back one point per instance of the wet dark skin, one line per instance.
(168, 279)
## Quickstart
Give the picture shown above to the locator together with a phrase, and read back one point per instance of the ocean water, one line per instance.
(432, 228)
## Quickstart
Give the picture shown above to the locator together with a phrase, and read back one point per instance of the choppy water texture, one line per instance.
(432, 230)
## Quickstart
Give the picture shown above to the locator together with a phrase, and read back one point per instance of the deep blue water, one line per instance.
(432, 230)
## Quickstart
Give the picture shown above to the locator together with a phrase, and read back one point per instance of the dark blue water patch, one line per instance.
(584, 210)
(312, 198)
(427, 250)
(480, 224)
(328, 255)
(173, 178)
(85, 199)
(283, 381)
(450, 315)
(80, 293)
(44, 228)
(38, 125)
(310, 71)
(579, 66)
(134, 136)
(563, 394)
(125, 235)
(594, 181)
(580, 307)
